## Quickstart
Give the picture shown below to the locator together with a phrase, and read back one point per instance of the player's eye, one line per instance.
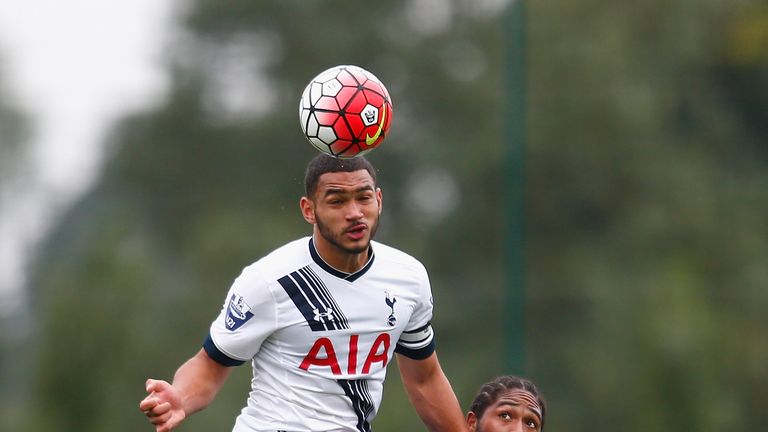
(532, 424)
(505, 416)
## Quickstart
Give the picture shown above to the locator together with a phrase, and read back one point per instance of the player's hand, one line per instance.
(163, 405)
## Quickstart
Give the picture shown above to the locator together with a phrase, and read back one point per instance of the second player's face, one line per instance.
(514, 411)
(346, 209)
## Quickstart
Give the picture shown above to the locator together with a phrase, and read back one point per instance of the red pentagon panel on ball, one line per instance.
(326, 118)
(359, 75)
(388, 119)
(356, 105)
(375, 87)
(355, 123)
(373, 98)
(342, 129)
(328, 103)
(341, 146)
(348, 78)
(345, 95)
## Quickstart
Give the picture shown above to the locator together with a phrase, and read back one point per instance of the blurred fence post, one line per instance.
(514, 131)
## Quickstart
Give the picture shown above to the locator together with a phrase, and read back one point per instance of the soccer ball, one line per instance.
(345, 111)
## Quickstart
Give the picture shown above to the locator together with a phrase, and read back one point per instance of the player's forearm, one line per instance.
(199, 381)
(437, 405)
(431, 394)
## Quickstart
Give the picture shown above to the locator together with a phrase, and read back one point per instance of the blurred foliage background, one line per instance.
(646, 208)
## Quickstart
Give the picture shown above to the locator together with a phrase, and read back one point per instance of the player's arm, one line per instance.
(195, 384)
(431, 393)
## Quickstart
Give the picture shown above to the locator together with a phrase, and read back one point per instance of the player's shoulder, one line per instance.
(392, 256)
(282, 261)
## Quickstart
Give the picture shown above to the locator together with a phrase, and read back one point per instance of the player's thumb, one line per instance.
(155, 385)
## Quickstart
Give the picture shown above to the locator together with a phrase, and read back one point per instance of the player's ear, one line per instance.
(307, 209)
(471, 421)
(379, 198)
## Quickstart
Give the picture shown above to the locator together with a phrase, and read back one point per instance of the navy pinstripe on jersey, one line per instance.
(311, 297)
(357, 392)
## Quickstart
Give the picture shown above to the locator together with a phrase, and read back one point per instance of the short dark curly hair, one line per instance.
(322, 163)
(490, 392)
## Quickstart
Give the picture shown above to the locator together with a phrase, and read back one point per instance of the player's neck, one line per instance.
(338, 258)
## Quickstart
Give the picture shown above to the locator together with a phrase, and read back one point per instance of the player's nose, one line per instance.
(519, 426)
(354, 211)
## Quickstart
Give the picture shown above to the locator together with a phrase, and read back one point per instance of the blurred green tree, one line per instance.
(647, 203)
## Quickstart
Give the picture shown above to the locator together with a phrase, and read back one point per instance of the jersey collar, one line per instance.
(351, 277)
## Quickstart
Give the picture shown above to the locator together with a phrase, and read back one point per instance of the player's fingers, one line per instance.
(148, 403)
(155, 385)
(161, 409)
(161, 419)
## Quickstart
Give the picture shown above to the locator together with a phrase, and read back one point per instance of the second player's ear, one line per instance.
(307, 209)
(471, 421)
(379, 197)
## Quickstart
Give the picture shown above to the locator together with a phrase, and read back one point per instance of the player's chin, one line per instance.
(355, 244)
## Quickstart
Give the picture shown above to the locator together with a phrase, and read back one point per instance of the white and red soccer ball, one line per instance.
(345, 111)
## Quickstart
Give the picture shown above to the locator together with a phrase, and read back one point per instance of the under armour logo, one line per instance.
(323, 316)
(391, 320)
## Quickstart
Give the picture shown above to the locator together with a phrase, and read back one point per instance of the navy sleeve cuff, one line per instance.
(219, 357)
(416, 354)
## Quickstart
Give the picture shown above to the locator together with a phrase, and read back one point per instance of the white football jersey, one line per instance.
(320, 339)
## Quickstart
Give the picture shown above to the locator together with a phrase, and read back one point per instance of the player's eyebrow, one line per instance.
(341, 191)
(533, 409)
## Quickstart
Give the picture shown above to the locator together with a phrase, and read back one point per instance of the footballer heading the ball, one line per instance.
(345, 111)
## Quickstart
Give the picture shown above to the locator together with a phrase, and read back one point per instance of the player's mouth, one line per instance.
(357, 231)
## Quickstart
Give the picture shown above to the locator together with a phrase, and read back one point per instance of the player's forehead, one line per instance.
(520, 398)
(345, 181)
